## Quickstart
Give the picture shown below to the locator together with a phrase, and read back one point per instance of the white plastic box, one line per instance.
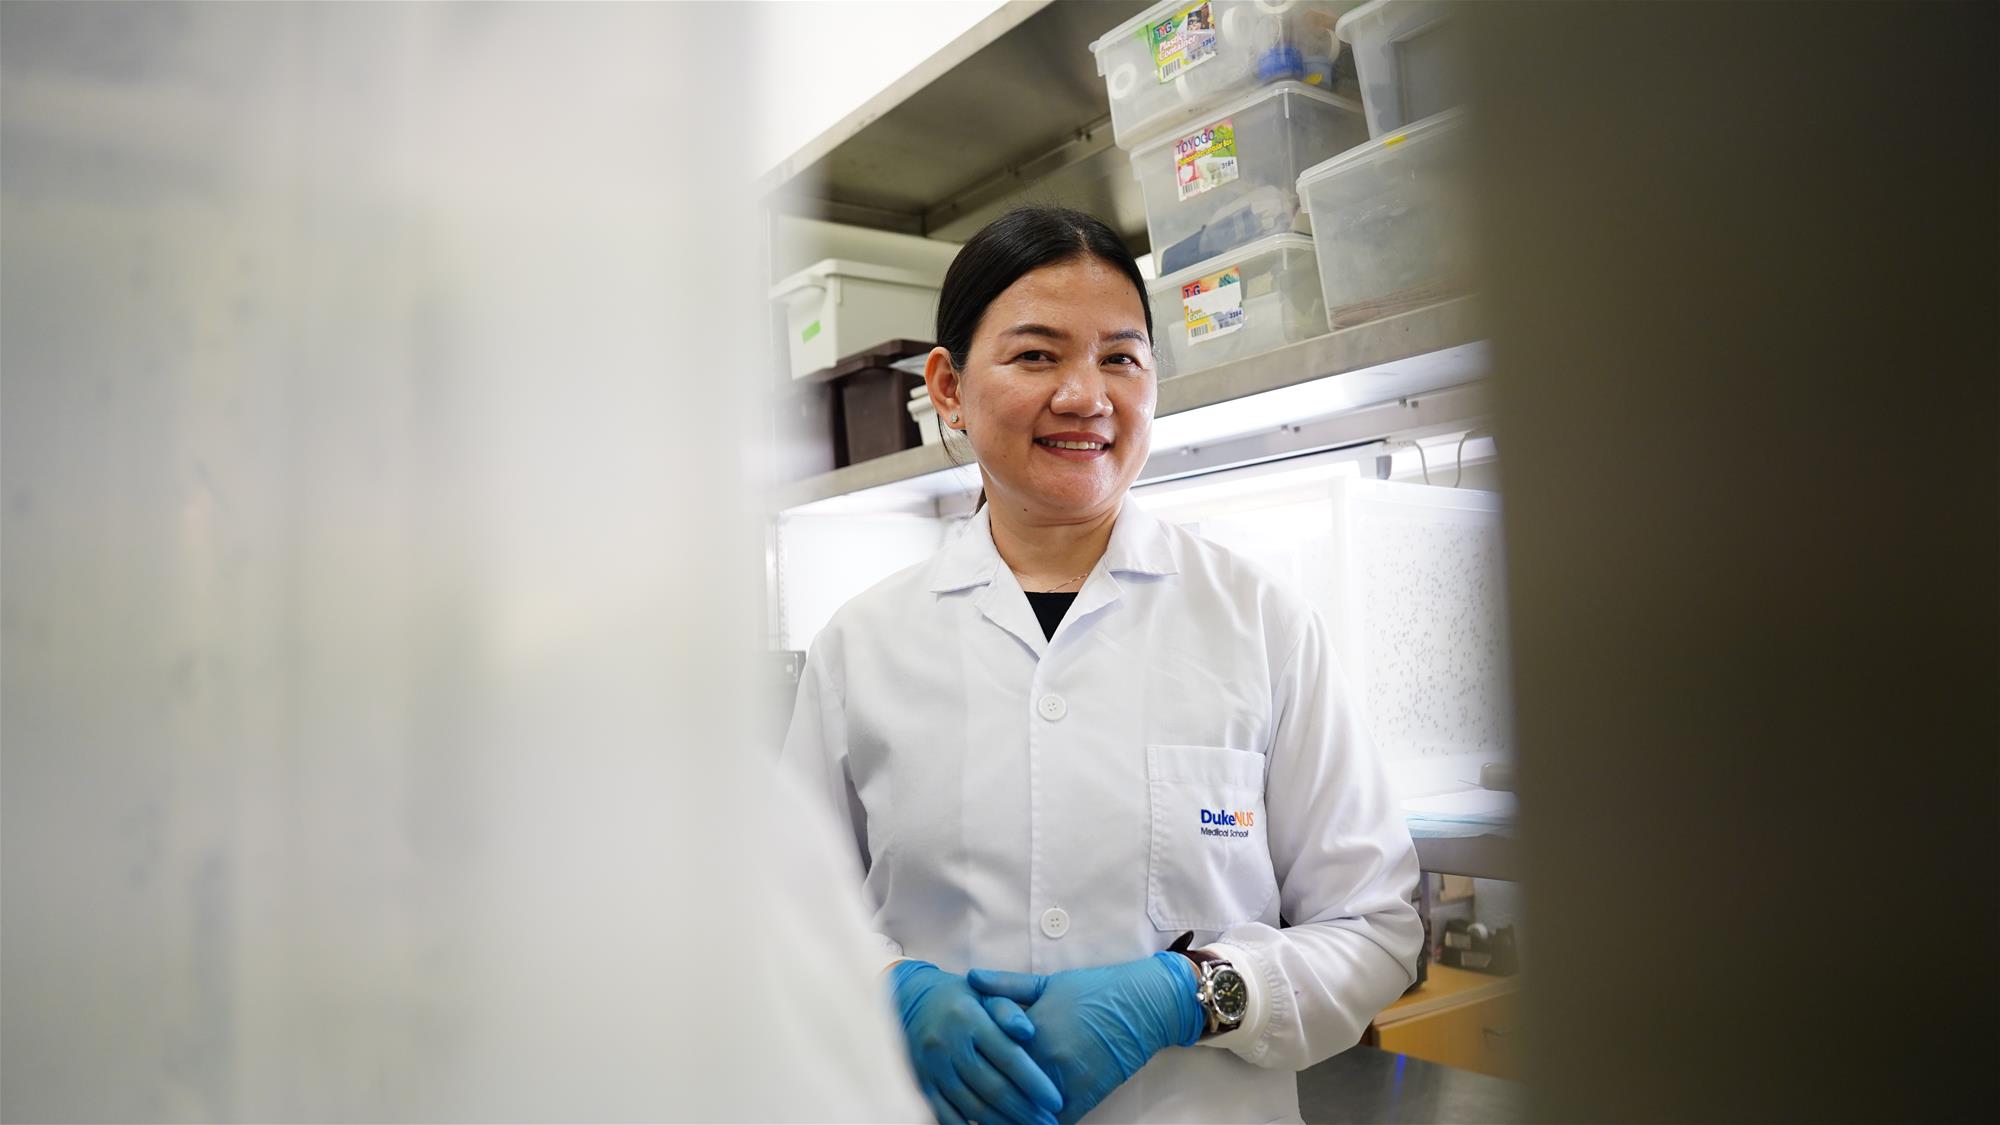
(836, 308)
(924, 414)
(1256, 298)
(1389, 222)
(1172, 62)
(797, 242)
(1407, 58)
(1233, 177)
(956, 444)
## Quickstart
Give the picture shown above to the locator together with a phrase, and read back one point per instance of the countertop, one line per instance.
(1363, 1084)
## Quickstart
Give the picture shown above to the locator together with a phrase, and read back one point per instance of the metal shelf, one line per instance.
(1425, 331)
(907, 465)
(1362, 369)
(1012, 107)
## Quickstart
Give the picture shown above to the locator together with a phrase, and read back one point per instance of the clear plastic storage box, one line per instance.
(1407, 60)
(1233, 177)
(1388, 221)
(1175, 60)
(1259, 297)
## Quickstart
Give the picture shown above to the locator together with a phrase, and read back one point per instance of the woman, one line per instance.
(1097, 767)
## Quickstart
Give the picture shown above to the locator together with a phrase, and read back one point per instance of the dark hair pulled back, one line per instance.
(1019, 242)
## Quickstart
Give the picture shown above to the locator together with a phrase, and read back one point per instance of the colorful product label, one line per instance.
(1205, 160)
(1182, 40)
(1213, 305)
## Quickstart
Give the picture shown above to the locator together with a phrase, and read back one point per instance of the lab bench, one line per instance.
(1488, 856)
(1457, 1018)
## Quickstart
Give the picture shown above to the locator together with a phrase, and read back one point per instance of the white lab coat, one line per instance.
(1039, 805)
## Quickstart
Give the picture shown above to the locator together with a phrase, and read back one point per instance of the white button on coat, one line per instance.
(1055, 921)
(1211, 750)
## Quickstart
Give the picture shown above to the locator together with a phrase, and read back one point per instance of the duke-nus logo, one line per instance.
(1227, 822)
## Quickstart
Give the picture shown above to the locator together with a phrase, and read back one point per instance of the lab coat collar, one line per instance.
(1139, 545)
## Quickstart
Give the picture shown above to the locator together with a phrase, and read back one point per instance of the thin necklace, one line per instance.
(1061, 584)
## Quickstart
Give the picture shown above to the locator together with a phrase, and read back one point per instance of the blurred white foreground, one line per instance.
(380, 580)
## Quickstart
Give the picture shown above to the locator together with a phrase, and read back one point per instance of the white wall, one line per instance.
(825, 561)
(825, 58)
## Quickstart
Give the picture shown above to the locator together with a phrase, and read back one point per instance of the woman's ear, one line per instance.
(942, 379)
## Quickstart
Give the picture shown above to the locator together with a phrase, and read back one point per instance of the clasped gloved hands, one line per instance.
(1094, 1028)
(967, 1049)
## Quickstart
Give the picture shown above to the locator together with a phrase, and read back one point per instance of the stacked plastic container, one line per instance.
(1387, 222)
(1235, 179)
(1255, 298)
(1388, 215)
(1223, 104)
(1407, 58)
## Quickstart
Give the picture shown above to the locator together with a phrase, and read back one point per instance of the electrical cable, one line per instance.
(1458, 474)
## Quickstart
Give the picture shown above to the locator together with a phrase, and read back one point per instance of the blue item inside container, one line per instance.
(1181, 254)
(1224, 234)
(1262, 212)
(1280, 63)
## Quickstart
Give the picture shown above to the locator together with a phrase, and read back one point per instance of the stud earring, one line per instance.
(954, 419)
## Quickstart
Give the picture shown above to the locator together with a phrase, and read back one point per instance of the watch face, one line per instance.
(1231, 995)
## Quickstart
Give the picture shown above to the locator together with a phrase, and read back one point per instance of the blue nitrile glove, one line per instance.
(1094, 1028)
(967, 1050)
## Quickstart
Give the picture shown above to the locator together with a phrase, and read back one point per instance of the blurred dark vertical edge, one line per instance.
(1743, 283)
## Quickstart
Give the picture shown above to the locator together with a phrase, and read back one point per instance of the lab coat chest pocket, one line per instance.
(1210, 865)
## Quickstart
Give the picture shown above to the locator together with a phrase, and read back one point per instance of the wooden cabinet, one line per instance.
(1457, 1018)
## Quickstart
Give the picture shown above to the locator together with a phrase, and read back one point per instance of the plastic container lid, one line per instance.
(1153, 14)
(816, 274)
(1237, 105)
(1366, 11)
(1429, 127)
(1283, 240)
(1150, 15)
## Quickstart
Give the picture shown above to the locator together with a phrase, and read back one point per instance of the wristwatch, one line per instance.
(1223, 996)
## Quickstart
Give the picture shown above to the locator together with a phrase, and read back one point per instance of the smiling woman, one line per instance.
(1046, 364)
(1089, 759)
